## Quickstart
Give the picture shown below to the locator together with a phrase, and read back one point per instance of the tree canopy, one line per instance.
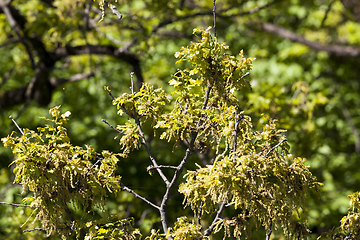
(305, 75)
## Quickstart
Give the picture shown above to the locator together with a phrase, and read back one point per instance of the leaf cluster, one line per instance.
(58, 173)
(258, 181)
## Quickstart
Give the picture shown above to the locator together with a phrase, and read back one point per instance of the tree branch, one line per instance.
(77, 77)
(18, 205)
(119, 53)
(34, 229)
(138, 196)
(144, 143)
(112, 126)
(236, 130)
(337, 50)
(149, 168)
(181, 165)
(13, 24)
(209, 230)
(72, 218)
(269, 231)
(274, 147)
(38, 89)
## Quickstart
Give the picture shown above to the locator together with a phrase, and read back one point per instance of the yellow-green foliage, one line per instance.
(121, 229)
(267, 184)
(146, 104)
(349, 224)
(59, 173)
(184, 230)
(205, 103)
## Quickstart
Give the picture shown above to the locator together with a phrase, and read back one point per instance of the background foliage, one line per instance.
(305, 74)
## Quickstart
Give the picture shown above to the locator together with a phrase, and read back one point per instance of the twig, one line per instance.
(172, 184)
(138, 196)
(209, 230)
(199, 213)
(76, 77)
(180, 106)
(72, 218)
(112, 126)
(348, 236)
(87, 173)
(337, 50)
(236, 130)
(111, 96)
(273, 148)
(207, 95)
(132, 83)
(326, 13)
(113, 10)
(34, 229)
(143, 141)
(229, 204)
(149, 168)
(98, 161)
(18, 205)
(214, 14)
(269, 231)
(12, 119)
(247, 73)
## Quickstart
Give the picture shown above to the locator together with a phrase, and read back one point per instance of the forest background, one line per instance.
(306, 75)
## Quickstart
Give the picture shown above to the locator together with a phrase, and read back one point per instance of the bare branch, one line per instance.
(113, 10)
(112, 126)
(144, 143)
(18, 205)
(12, 119)
(214, 14)
(236, 130)
(132, 83)
(327, 13)
(247, 73)
(149, 168)
(138, 196)
(199, 213)
(269, 231)
(337, 50)
(77, 77)
(99, 160)
(209, 230)
(206, 97)
(34, 229)
(119, 53)
(273, 148)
